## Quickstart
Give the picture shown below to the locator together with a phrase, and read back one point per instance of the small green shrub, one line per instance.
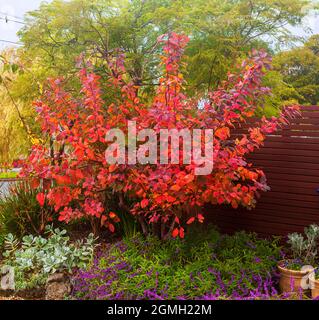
(128, 226)
(303, 248)
(34, 258)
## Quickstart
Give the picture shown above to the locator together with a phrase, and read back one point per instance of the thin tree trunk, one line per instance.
(143, 225)
(170, 230)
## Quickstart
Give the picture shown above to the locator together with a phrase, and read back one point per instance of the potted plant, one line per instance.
(295, 271)
(314, 282)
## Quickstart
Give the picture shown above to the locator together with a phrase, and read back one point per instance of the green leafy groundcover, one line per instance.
(8, 175)
(34, 258)
(205, 266)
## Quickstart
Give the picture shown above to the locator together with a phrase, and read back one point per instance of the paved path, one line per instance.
(4, 186)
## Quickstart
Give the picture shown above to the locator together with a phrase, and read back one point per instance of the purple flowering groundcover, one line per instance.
(208, 267)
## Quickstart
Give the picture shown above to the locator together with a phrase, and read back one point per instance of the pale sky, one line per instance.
(17, 8)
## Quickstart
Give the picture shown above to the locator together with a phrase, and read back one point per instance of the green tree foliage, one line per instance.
(15, 131)
(300, 69)
(221, 32)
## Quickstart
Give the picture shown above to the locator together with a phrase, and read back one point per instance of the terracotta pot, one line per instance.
(290, 280)
(315, 288)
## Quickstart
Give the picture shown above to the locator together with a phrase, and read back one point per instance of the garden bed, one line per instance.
(206, 265)
(127, 264)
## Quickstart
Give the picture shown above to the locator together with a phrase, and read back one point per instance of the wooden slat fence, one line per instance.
(290, 160)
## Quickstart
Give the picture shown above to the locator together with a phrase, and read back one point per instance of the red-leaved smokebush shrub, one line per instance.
(77, 177)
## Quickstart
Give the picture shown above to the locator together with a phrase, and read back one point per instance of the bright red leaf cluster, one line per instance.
(76, 175)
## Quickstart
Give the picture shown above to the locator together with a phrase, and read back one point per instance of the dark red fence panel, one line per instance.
(290, 160)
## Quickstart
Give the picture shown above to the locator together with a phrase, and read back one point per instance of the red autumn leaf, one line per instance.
(41, 198)
(90, 153)
(140, 192)
(111, 227)
(144, 203)
(103, 220)
(181, 233)
(175, 233)
(190, 220)
(175, 187)
(222, 133)
(200, 218)
(112, 168)
(256, 135)
(234, 204)
(189, 178)
(62, 179)
(112, 215)
(35, 183)
(170, 199)
(79, 174)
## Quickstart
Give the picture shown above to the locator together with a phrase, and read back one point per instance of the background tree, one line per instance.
(15, 126)
(221, 33)
(300, 69)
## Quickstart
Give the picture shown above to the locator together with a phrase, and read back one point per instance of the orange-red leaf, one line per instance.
(189, 178)
(62, 179)
(200, 218)
(144, 203)
(103, 220)
(35, 183)
(222, 133)
(112, 215)
(175, 233)
(175, 187)
(170, 199)
(234, 204)
(190, 220)
(112, 168)
(41, 198)
(111, 227)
